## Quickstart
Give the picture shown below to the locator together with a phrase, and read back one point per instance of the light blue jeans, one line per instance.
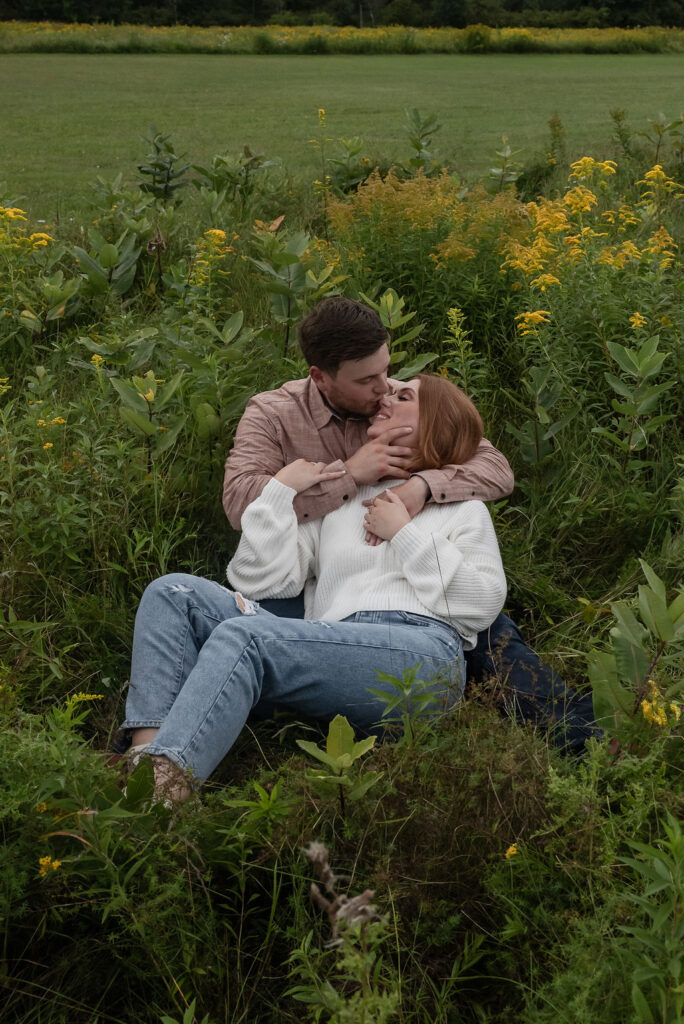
(205, 658)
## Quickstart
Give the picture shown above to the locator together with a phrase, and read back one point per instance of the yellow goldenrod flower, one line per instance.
(528, 322)
(580, 199)
(58, 419)
(321, 117)
(80, 697)
(97, 360)
(48, 445)
(587, 168)
(512, 851)
(47, 864)
(637, 320)
(544, 281)
(39, 238)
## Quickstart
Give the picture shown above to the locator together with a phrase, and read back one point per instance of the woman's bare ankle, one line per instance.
(141, 737)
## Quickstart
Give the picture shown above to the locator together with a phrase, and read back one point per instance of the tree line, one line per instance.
(364, 13)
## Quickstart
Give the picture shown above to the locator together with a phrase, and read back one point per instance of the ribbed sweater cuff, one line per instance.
(279, 496)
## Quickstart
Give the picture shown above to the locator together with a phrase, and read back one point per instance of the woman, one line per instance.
(205, 657)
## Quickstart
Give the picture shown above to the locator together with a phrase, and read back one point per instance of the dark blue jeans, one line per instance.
(531, 691)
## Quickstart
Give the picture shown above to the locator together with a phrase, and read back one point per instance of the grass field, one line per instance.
(70, 118)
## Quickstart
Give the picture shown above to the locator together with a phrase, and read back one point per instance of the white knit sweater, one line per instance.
(445, 563)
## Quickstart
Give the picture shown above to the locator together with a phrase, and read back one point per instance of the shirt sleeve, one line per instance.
(457, 575)
(485, 477)
(275, 555)
(257, 456)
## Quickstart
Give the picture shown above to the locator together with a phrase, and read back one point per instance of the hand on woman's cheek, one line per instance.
(387, 516)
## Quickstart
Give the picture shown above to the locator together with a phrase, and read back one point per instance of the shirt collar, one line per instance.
(322, 411)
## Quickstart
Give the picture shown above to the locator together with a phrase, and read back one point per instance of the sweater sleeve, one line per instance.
(275, 556)
(457, 575)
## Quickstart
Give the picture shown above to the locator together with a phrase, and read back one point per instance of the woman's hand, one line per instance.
(386, 516)
(300, 474)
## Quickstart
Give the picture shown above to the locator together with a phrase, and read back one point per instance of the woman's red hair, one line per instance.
(449, 425)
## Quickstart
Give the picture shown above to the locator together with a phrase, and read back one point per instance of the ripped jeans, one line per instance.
(204, 658)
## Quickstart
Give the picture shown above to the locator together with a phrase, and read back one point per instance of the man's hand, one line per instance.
(414, 493)
(386, 516)
(300, 474)
(381, 457)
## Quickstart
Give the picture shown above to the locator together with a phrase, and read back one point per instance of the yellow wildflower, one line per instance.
(4, 386)
(80, 697)
(512, 851)
(47, 864)
(58, 419)
(580, 199)
(12, 213)
(97, 360)
(148, 396)
(544, 281)
(660, 183)
(321, 117)
(39, 238)
(216, 234)
(42, 807)
(665, 321)
(587, 168)
(637, 320)
(655, 710)
(48, 445)
(528, 322)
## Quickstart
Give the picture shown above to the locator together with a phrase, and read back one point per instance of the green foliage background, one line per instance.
(131, 341)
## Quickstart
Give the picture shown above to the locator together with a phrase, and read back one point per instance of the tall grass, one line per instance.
(51, 37)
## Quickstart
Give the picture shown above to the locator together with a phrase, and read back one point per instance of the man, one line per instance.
(324, 418)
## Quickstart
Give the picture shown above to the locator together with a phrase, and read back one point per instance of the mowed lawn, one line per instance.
(70, 118)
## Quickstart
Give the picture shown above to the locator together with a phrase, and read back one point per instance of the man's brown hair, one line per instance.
(449, 425)
(338, 329)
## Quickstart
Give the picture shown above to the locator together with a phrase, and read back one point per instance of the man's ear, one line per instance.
(317, 376)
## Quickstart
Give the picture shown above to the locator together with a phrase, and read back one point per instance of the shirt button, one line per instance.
(443, 496)
(306, 515)
(345, 497)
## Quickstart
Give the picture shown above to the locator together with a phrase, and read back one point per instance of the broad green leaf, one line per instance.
(108, 256)
(362, 747)
(654, 580)
(340, 739)
(618, 385)
(138, 421)
(167, 438)
(631, 660)
(360, 788)
(419, 364)
(315, 751)
(626, 358)
(128, 395)
(676, 611)
(232, 327)
(166, 393)
(654, 613)
(628, 622)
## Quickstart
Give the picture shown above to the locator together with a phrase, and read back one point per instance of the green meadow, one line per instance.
(511, 881)
(69, 118)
